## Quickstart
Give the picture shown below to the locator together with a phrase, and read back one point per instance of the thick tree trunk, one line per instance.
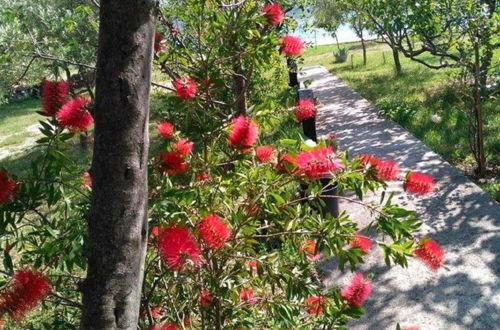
(364, 49)
(117, 223)
(397, 63)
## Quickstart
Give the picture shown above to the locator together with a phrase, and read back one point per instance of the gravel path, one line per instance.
(460, 216)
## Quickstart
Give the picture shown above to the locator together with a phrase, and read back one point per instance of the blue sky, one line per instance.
(344, 33)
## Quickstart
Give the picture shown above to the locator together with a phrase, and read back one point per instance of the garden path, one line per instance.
(459, 215)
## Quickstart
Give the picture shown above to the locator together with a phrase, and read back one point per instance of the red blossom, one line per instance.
(274, 13)
(184, 147)
(166, 129)
(305, 109)
(309, 248)
(292, 46)
(185, 88)
(155, 230)
(247, 296)
(164, 326)
(286, 163)
(387, 169)
(368, 159)
(419, 183)
(172, 163)
(430, 253)
(74, 115)
(357, 291)
(253, 267)
(160, 43)
(27, 289)
(54, 95)
(87, 180)
(243, 134)
(177, 245)
(7, 187)
(203, 176)
(206, 298)
(361, 242)
(410, 328)
(264, 153)
(315, 305)
(187, 322)
(318, 163)
(213, 231)
(156, 312)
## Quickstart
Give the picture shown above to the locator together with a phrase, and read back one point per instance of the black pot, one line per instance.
(309, 128)
(331, 203)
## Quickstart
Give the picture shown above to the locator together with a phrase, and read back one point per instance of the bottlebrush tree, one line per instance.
(232, 244)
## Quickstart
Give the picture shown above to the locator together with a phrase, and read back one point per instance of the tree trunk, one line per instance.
(117, 222)
(293, 79)
(478, 115)
(397, 63)
(364, 49)
(240, 90)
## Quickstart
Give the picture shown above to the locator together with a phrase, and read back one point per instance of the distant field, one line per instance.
(412, 98)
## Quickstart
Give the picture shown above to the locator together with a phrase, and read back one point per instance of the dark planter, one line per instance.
(309, 128)
(331, 203)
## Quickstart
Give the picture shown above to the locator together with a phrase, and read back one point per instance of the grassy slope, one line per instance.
(412, 98)
(14, 119)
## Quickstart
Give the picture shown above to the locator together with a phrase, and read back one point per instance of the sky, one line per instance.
(322, 37)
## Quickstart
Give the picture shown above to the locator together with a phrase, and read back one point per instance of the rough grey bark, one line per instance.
(397, 63)
(117, 222)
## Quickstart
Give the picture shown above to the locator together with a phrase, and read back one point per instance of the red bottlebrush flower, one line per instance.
(419, 183)
(74, 116)
(185, 88)
(430, 253)
(315, 305)
(361, 242)
(410, 328)
(203, 176)
(54, 95)
(274, 13)
(87, 180)
(243, 133)
(184, 147)
(309, 248)
(160, 43)
(264, 153)
(28, 288)
(7, 187)
(213, 231)
(358, 291)
(206, 298)
(166, 129)
(254, 268)
(368, 159)
(318, 163)
(156, 312)
(332, 136)
(165, 326)
(187, 322)
(387, 169)
(155, 231)
(177, 245)
(292, 46)
(247, 296)
(172, 163)
(305, 109)
(286, 163)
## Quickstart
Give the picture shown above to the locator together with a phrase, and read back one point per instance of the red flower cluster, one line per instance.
(318, 163)
(368, 159)
(177, 245)
(27, 290)
(419, 183)
(203, 176)
(164, 326)
(160, 43)
(387, 169)
(315, 305)
(184, 147)
(74, 116)
(361, 242)
(185, 88)
(305, 109)
(7, 187)
(274, 13)
(254, 268)
(54, 95)
(213, 231)
(309, 248)
(264, 153)
(206, 297)
(247, 296)
(244, 133)
(292, 46)
(166, 129)
(87, 180)
(286, 163)
(358, 291)
(172, 163)
(430, 253)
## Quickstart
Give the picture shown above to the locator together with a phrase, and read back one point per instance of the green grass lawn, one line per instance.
(412, 98)
(15, 120)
